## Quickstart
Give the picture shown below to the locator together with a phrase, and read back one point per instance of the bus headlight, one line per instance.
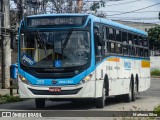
(23, 79)
(86, 79)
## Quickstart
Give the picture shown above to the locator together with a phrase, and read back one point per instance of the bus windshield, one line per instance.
(53, 49)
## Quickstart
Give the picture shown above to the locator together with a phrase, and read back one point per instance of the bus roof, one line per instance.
(97, 19)
(118, 25)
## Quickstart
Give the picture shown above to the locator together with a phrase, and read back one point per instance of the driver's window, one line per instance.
(96, 40)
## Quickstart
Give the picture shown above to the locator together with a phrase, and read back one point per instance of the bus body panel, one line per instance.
(119, 71)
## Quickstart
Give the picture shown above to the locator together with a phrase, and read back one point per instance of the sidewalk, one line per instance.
(7, 91)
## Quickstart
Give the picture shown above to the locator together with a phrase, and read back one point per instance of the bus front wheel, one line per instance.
(100, 102)
(40, 103)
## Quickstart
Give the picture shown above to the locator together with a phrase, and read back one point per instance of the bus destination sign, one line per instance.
(56, 21)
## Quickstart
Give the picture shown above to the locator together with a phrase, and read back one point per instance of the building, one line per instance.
(138, 25)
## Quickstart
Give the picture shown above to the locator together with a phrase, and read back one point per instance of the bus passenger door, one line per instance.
(99, 55)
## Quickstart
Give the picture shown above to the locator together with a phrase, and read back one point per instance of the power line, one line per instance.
(136, 21)
(135, 10)
(124, 3)
(124, 11)
(104, 0)
(116, 3)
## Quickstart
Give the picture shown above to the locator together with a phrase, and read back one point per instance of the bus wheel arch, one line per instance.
(128, 97)
(106, 83)
(137, 82)
(100, 102)
(135, 88)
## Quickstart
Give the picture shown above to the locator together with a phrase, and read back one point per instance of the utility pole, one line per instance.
(80, 5)
(20, 10)
(6, 51)
(0, 42)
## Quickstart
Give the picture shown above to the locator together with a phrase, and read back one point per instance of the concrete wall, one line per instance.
(155, 62)
(138, 25)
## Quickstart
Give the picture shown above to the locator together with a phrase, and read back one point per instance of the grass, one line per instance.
(157, 110)
(155, 72)
(9, 99)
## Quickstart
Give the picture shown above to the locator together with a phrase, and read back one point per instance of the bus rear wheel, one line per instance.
(135, 91)
(40, 103)
(100, 102)
(128, 97)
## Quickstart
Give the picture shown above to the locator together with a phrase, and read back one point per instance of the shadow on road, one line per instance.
(62, 105)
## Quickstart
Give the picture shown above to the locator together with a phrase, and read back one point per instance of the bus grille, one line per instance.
(46, 92)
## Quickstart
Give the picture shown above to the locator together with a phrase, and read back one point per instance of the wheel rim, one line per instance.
(104, 96)
(135, 89)
(130, 92)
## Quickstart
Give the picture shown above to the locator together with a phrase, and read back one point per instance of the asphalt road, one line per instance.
(146, 101)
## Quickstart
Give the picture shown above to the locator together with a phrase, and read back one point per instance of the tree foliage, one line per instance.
(97, 5)
(154, 37)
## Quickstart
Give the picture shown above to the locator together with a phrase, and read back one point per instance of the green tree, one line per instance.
(97, 5)
(154, 37)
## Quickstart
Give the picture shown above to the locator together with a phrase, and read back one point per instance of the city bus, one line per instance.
(81, 56)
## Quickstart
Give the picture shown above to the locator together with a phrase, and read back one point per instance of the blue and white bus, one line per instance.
(81, 56)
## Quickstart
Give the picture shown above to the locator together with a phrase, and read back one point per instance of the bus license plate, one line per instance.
(54, 89)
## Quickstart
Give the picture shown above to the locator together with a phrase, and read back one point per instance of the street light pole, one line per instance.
(6, 51)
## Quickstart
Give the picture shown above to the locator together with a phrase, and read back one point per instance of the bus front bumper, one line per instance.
(85, 90)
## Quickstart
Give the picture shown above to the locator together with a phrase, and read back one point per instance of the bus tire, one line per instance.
(118, 98)
(128, 97)
(40, 103)
(100, 102)
(135, 91)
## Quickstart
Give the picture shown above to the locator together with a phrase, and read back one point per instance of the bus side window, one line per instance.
(107, 33)
(130, 42)
(118, 48)
(136, 51)
(111, 42)
(141, 52)
(118, 36)
(124, 37)
(96, 41)
(111, 34)
(130, 39)
(104, 33)
(125, 49)
(145, 42)
(140, 41)
(107, 49)
(112, 47)
(146, 52)
(135, 40)
(124, 41)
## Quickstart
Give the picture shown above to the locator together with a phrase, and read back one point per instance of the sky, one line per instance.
(148, 15)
